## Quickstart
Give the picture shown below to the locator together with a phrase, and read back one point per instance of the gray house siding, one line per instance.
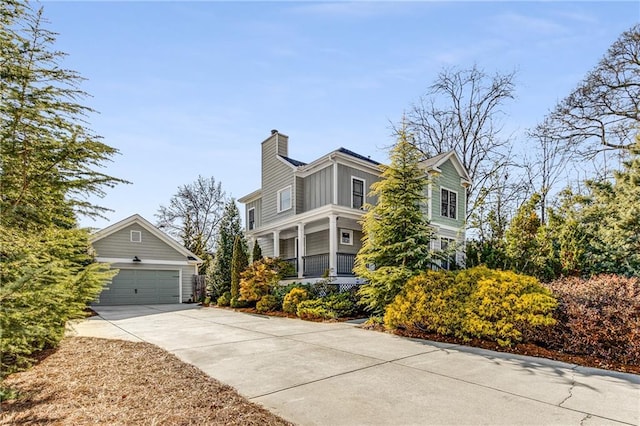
(448, 179)
(257, 206)
(299, 195)
(317, 243)
(318, 189)
(276, 175)
(288, 248)
(119, 245)
(345, 173)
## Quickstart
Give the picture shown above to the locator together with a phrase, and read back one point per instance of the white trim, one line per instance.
(180, 285)
(446, 227)
(249, 228)
(429, 201)
(255, 195)
(342, 158)
(145, 261)
(457, 202)
(145, 224)
(335, 182)
(134, 232)
(279, 157)
(279, 199)
(364, 192)
(348, 231)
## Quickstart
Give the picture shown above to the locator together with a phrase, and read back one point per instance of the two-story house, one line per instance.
(309, 213)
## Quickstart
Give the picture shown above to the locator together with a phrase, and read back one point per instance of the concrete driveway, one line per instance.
(337, 374)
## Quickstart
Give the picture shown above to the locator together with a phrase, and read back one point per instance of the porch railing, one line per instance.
(316, 265)
(344, 265)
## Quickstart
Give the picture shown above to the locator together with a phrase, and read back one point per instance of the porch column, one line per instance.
(333, 243)
(301, 252)
(276, 243)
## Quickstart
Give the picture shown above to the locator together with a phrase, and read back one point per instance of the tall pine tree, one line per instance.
(397, 235)
(49, 155)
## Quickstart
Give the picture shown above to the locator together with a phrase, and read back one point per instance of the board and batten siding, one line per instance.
(345, 173)
(318, 189)
(448, 179)
(276, 175)
(119, 245)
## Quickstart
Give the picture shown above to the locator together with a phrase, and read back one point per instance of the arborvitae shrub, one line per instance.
(599, 316)
(293, 299)
(268, 303)
(477, 302)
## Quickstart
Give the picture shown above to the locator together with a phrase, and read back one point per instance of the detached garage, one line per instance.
(153, 268)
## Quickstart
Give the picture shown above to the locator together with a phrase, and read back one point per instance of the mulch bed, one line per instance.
(91, 381)
(528, 349)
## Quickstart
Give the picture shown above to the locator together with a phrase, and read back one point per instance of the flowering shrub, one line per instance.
(477, 302)
(599, 316)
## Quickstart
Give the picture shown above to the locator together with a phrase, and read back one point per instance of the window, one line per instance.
(346, 237)
(448, 245)
(284, 199)
(136, 236)
(357, 193)
(251, 219)
(449, 202)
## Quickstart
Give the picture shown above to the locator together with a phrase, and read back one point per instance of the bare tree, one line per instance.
(461, 111)
(601, 113)
(194, 213)
(545, 169)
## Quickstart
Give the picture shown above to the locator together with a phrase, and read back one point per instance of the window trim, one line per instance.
(364, 195)
(251, 225)
(442, 188)
(346, 231)
(279, 199)
(135, 232)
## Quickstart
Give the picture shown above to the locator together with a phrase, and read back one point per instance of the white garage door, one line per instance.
(142, 287)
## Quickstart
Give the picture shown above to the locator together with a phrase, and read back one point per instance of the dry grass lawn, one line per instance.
(90, 381)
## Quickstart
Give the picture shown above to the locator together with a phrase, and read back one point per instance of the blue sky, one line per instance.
(192, 88)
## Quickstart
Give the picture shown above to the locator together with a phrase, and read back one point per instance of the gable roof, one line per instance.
(139, 220)
(293, 162)
(434, 163)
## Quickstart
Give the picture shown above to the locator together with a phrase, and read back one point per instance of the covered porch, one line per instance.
(316, 247)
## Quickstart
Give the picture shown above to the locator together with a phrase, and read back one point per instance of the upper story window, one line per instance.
(449, 202)
(251, 219)
(284, 199)
(136, 236)
(357, 193)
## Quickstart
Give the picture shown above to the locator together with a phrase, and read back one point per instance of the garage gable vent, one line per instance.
(136, 236)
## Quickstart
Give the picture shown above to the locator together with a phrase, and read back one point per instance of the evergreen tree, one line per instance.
(49, 155)
(397, 235)
(230, 228)
(521, 242)
(256, 254)
(239, 263)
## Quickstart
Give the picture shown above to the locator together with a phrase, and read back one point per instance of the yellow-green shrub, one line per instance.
(503, 302)
(293, 299)
(268, 303)
(315, 309)
(477, 302)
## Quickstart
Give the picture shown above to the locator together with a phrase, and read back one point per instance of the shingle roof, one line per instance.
(358, 156)
(293, 162)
